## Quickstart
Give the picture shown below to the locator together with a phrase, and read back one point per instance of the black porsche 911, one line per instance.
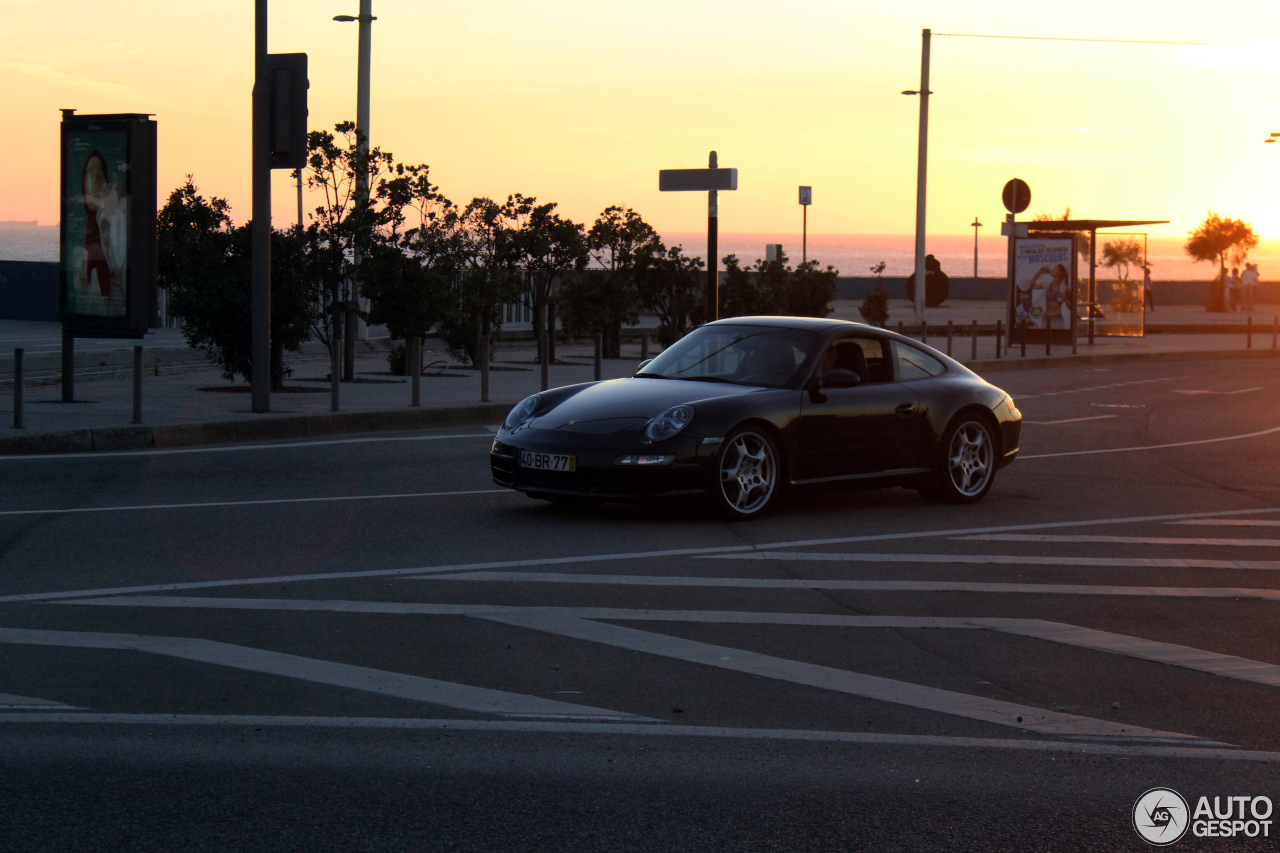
(739, 409)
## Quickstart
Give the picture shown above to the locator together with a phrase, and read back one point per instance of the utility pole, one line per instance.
(920, 176)
(260, 264)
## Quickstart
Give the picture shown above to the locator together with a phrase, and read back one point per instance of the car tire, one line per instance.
(748, 475)
(966, 466)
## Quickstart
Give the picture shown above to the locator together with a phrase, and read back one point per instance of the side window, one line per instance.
(864, 356)
(916, 364)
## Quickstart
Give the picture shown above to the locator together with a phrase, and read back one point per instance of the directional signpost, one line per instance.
(710, 180)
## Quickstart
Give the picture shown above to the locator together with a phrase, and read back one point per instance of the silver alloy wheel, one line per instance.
(748, 472)
(971, 459)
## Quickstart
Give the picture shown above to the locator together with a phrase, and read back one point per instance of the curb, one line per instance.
(249, 430)
(998, 365)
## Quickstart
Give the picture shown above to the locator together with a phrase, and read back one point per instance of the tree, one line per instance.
(344, 222)
(1215, 240)
(1083, 239)
(1122, 254)
(488, 274)
(551, 246)
(408, 272)
(623, 246)
(671, 288)
(205, 262)
(772, 287)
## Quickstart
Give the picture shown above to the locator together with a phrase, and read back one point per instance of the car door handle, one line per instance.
(905, 409)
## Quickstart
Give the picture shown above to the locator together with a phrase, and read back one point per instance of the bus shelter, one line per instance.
(1117, 308)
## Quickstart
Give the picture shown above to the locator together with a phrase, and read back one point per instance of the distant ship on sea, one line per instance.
(12, 223)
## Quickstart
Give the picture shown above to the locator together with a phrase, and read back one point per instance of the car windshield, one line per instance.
(744, 355)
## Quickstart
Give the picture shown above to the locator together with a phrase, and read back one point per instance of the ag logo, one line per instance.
(1160, 816)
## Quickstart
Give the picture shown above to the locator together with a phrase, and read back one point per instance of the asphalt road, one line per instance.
(363, 644)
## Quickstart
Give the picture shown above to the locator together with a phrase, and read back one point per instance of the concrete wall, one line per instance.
(1164, 292)
(28, 290)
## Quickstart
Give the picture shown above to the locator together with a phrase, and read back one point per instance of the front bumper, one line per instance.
(596, 475)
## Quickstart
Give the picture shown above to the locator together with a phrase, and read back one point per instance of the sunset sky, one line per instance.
(583, 101)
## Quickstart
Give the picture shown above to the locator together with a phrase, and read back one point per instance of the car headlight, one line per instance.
(522, 412)
(669, 423)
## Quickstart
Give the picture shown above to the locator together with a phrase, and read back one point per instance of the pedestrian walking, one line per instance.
(1148, 300)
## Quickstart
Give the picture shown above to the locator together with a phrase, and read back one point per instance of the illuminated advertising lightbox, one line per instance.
(1043, 293)
(108, 224)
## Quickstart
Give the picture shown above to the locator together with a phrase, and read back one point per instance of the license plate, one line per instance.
(548, 461)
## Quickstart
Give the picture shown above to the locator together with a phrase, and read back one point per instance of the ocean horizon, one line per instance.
(851, 254)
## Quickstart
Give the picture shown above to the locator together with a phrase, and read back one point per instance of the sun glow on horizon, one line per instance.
(582, 102)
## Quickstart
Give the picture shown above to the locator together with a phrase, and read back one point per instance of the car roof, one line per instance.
(815, 324)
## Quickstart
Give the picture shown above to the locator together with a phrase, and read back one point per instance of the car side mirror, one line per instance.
(644, 364)
(839, 378)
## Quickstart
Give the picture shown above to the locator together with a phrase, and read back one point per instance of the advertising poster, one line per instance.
(95, 216)
(1044, 269)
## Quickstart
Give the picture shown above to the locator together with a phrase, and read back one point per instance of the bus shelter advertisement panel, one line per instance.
(1044, 269)
(95, 218)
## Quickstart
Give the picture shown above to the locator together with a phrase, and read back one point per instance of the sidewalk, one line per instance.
(186, 401)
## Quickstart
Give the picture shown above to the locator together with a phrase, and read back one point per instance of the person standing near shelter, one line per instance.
(1249, 282)
(1233, 289)
(1148, 300)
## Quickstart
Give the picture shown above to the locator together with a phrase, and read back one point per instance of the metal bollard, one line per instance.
(544, 367)
(137, 385)
(924, 331)
(1023, 351)
(999, 336)
(973, 338)
(644, 346)
(484, 368)
(414, 369)
(17, 389)
(1048, 337)
(335, 371)
(900, 327)
(950, 332)
(596, 338)
(1248, 332)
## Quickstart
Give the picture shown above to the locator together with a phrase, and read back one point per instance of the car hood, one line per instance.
(624, 403)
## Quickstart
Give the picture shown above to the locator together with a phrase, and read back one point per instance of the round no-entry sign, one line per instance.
(1017, 196)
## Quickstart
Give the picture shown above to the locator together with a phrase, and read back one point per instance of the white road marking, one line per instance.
(10, 702)
(860, 585)
(1227, 666)
(1005, 560)
(580, 623)
(1123, 540)
(1258, 434)
(1070, 420)
(1233, 522)
(998, 712)
(240, 448)
(636, 555)
(1126, 748)
(412, 687)
(209, 504)
(1093, 388)
(1196, 393)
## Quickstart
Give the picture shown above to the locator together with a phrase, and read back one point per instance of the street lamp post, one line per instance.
(922, 160)
(976, 225)
(355, 328)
